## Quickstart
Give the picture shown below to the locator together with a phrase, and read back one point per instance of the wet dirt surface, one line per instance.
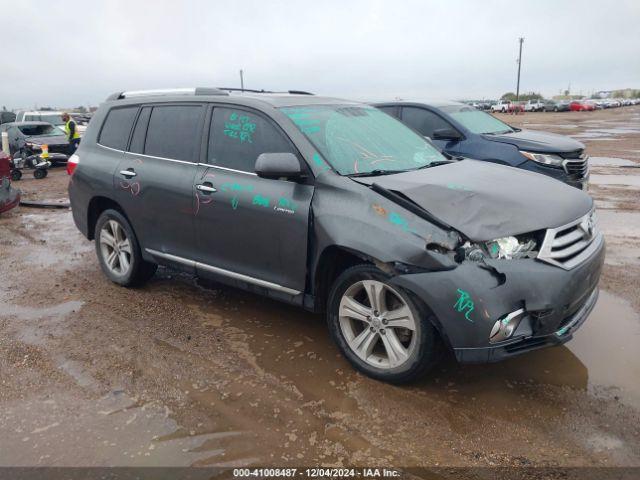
(184, 373)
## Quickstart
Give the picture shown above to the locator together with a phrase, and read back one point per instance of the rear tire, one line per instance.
(39, 173)
(390, 338)
(118, 251)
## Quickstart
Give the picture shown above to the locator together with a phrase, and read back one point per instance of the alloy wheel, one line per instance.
(115, 248)
(377, 324)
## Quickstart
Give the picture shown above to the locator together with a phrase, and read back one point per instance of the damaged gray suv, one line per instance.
(338, 208)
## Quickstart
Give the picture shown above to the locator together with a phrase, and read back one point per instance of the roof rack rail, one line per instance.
(167, 91)
(234, 89)
(292, 92)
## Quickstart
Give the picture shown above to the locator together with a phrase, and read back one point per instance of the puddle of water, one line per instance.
(630, 180)
(567, 126)
(121, 432)
(36, 324)
(608, 344)
(612, 162)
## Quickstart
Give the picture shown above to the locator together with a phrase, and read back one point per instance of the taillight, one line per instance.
(72, 163)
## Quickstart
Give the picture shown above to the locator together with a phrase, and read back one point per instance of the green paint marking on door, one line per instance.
(260, 200)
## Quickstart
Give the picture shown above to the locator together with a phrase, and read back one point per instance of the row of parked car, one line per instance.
(372, 214)
(540, 105)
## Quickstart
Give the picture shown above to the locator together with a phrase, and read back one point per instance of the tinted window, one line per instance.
(423, 120)
(139, 132)
(40, 130)
(174, 132)
(117, 126)
(237, 137)
(393, 111)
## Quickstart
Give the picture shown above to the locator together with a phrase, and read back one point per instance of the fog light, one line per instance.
(504, 328)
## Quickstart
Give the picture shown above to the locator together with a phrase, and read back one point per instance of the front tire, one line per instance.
(380, 328)
(118, 251)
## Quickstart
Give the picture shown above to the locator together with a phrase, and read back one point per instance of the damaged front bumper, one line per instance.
(471, 301)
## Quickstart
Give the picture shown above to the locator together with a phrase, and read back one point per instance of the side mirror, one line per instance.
(278, 165)
(446, 134)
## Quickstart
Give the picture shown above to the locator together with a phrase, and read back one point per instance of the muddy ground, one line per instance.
(179, 373)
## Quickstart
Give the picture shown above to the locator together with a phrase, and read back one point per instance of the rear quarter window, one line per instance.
(117, 127)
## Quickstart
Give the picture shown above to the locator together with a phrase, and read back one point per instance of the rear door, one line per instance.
(247, 227)
(155, 178)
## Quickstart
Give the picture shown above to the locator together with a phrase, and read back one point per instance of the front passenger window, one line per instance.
(237, 137)
(423, 121)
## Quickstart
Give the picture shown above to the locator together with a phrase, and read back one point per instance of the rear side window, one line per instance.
(117, 126)
(423, 121)
(174, 132)
(139, 133)
(238, 137)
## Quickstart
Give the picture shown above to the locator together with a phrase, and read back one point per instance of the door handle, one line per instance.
(206, 188)
(128, 173)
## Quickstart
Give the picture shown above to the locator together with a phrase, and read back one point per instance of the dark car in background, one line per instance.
(336, 207)
(460, 130)
(27, 138)
(556, 106)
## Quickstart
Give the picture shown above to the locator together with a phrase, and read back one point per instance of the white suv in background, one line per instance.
(53, 117)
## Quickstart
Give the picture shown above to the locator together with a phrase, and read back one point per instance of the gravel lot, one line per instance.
(182, 373)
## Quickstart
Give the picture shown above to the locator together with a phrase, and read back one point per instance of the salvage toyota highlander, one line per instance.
(338, 208)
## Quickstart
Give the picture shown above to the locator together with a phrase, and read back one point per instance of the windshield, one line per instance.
(362, 139)
(476, 120)
(51, 118)
(40, 130)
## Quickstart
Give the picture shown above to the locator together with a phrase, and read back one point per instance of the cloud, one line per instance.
(68, 53)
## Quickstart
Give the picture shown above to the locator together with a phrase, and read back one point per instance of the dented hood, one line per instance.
(485, 201)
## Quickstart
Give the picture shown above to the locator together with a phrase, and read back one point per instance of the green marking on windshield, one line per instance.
(464, 304)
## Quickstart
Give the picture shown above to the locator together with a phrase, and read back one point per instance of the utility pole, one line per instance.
(241, 80)
(521, 40)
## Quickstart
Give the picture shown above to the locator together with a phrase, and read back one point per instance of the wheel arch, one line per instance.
(333, 260)
(97, 205)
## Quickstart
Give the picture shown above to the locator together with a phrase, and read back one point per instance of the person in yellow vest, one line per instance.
(71, 129)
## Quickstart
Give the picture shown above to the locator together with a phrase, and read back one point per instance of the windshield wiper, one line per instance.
(376, 173)
(499, 133)
(436, 163)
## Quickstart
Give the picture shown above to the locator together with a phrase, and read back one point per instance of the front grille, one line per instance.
(578, 168)
(571, 244)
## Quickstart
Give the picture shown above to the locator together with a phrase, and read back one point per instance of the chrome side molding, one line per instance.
(223, 272)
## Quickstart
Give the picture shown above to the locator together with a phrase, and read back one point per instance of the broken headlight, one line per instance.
(548, 159)
(506, 248)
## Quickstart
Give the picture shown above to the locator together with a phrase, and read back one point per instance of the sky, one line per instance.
(69, 53)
